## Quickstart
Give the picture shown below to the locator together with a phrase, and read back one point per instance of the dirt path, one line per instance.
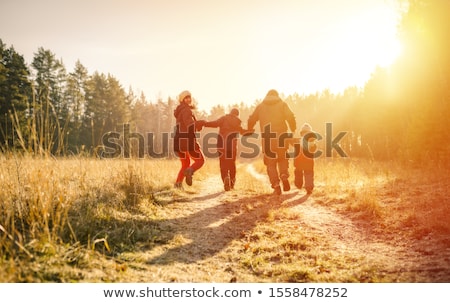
(355, 238)
(205, 226)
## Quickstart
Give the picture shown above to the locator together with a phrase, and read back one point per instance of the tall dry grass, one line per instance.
(49, 205)
(395, 194)
(59, 218)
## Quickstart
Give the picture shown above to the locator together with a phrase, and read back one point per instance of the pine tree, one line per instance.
(76, 101)
(15, 92)
(107, 108)
(49, 107)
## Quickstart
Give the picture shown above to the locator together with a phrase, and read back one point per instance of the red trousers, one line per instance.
(185, 158)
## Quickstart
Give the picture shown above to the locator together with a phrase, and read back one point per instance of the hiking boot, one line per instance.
(277, 190)
(178, 185)
(227, 183)
(286, 185)
(188, 174)
(309, 191)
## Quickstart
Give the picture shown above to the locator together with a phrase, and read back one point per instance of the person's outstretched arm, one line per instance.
(215, 123)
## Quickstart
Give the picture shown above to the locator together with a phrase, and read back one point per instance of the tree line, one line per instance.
(400, 113)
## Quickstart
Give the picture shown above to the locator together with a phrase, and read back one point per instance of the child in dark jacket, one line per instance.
(304, 160)
(229, 128)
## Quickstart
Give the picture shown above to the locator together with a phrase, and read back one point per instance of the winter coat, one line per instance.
(305, 160)
(274, 113)
(229, 127)
(184, 139)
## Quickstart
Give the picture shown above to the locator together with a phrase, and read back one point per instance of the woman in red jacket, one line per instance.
(185, 141)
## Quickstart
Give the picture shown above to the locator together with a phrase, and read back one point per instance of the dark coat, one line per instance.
(229, 127)
(184, 139)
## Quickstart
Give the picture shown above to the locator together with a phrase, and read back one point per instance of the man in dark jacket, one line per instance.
(229, 127)
(274, 116)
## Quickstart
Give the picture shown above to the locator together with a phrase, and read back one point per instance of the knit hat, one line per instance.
(234, 112)
(183, 95)
(306, 128)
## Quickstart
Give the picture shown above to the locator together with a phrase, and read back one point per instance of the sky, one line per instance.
(223, 52)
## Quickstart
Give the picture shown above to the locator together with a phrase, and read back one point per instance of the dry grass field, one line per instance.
(92, 220)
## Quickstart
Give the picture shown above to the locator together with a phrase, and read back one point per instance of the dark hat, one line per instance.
(234, 112)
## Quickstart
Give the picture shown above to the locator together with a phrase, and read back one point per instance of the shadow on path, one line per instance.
(212, 229)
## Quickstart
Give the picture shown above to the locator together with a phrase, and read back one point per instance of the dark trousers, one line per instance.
(228, 169)
(227, 162)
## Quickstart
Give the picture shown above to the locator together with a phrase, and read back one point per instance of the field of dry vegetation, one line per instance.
(91, 220)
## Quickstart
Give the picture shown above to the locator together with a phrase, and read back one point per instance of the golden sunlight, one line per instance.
(365, 50)
(379, 43)
(364, 42)
(339, 51)
(392, 50)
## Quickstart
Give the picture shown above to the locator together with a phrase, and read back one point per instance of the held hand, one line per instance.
(199, 125)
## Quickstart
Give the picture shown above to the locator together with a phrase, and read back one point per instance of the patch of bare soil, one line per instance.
(398, 257)
(205, 229)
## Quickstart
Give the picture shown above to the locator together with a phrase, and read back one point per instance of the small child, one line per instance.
(229, 127)
(304, 160)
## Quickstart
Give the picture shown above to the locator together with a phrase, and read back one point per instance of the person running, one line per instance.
(274, 116)
(186, 146)
(304, 160)
(229, 128)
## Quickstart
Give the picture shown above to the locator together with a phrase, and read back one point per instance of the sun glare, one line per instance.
(340, 54)
(390, 53)
(362, 43)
